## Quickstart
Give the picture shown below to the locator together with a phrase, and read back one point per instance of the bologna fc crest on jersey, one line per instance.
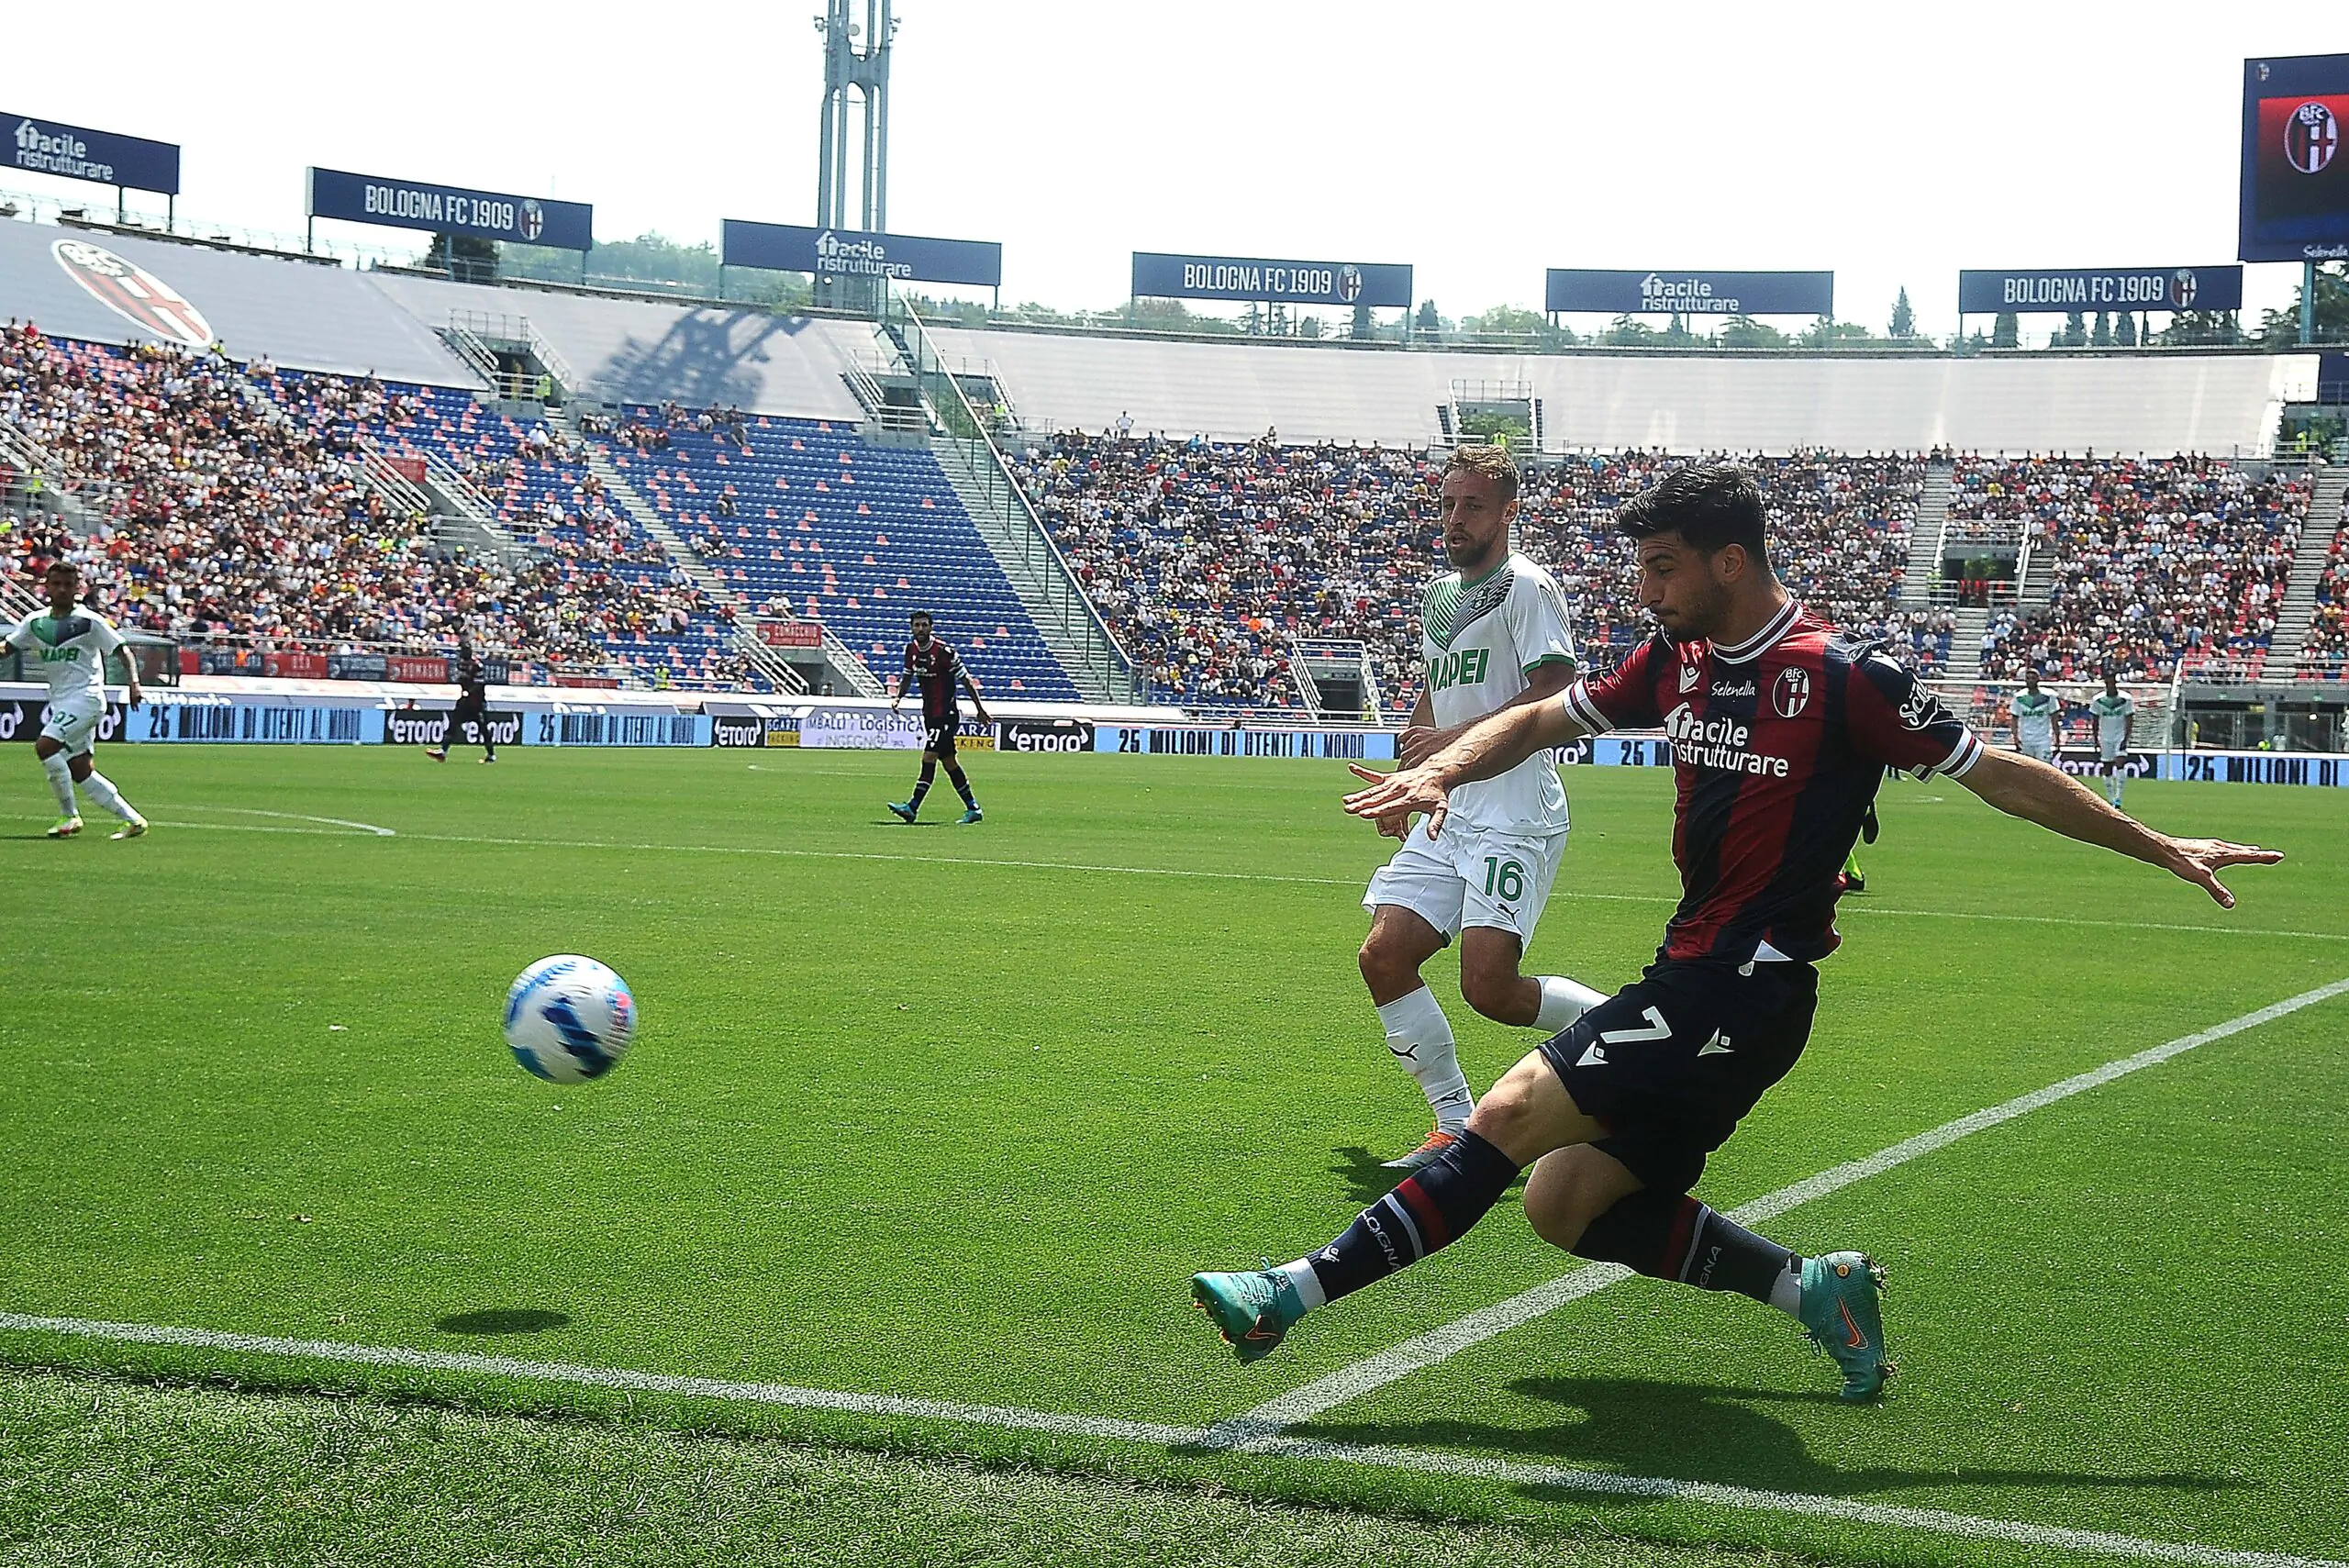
(133, 293)
(2312, 136)
(2182, 289)
(1349, 283)
(1689, 676)
(534, 220)
(1791, 692)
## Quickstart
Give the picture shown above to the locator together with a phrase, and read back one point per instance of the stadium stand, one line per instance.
(1210, 560)
(2325, 653)
(2153, 562)
(235, 514)
(803, 517)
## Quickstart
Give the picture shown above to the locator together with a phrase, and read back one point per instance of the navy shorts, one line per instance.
(1673, 1062)
(937, 736)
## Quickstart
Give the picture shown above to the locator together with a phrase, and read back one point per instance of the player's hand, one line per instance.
(1400, 794)
(1418, 743)
(135, 696)
(2200, 862)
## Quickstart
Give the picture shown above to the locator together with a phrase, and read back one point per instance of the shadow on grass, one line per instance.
(1693, 1431)
(502, 1320)
(1367, 1180)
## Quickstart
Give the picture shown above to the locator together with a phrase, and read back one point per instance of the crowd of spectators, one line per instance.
(230, 508)
(2325, 653)
(1210, 560)
(2150, 561)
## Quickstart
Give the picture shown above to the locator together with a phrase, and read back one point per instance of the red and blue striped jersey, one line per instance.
(937, 669)
(1779, 745)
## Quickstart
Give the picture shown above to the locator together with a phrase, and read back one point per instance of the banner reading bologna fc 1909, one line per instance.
(2101, 288)
(452, 210)
(2295, 169)
(105, 157)
(1255, 279)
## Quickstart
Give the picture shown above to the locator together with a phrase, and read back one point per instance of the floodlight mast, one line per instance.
(866, 71)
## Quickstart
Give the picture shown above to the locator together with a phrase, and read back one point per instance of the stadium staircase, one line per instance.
(714, 588)
(2298, 607)
(41, 481)
(1966, 643)
(1072, 630)
(1924, 564)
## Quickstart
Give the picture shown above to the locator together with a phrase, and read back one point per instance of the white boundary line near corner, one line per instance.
(1178, 872)
(295, 816)
(1659, 1489)
(1372, 1373)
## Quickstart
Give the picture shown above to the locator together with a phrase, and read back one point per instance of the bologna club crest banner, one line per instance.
(2295, 162)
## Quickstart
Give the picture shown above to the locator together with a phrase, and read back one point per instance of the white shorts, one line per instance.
(2039, 750)
(2112, 755)
(73, 726)
(1471, 877)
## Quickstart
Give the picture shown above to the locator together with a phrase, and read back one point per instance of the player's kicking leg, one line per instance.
(1619, 1110)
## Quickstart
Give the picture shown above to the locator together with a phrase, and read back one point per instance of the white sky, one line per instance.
(1481, 142)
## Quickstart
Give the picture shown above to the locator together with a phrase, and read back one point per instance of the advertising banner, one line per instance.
(103, 157)
(855, 253)
(430, 727)
(2101, 288)
(203, 717)
(615, 726)
(1379, 284)
(1043, 735)
(1202, 741)
(791, 634)
(2295, 194)
(1626, 293)
(737, 729)
(295, 664)
(2257, 767)
(450, 209)
(414, 667)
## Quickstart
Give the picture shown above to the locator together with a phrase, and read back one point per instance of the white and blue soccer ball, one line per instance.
(568, 1019)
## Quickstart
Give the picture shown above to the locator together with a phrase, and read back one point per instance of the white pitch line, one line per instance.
(299, 816)
(1375, 1371)
(779, 852)
(1154, 1434)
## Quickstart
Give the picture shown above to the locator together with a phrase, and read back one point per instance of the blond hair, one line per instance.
(1489, 462)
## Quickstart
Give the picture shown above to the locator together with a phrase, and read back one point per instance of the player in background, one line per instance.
(1494, 633)
(72, 644)
(1781, 731)
(471, 712)
(2036, 715)
(2112, 708)
(936, 666)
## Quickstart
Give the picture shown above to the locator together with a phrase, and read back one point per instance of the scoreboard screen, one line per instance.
(2296, 158)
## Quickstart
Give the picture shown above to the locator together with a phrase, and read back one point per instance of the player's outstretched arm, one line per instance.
(1491, 746)
(2035, 791)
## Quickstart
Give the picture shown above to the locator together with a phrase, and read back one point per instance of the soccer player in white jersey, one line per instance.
(1495, 633)
(72, 644)
(2113, 708)
(2035, 713)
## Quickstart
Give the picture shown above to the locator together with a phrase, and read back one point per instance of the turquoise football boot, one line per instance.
(974, 815)
(1839, 1311)
(1254, 1311)
(902, 812)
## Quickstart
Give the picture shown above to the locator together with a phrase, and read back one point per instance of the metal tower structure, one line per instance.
(865, 69)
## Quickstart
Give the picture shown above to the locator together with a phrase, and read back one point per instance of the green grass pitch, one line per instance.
(950, 1113)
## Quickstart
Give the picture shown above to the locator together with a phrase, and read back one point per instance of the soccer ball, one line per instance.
(568, 1019)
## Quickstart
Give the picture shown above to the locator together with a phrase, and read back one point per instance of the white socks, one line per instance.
(1785, 1291)
(60, 783)
(101, 790)
(1421, 1036)
(1563, 1001)
(1309, 1284)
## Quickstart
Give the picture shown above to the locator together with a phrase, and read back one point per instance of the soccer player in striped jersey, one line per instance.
(72, 644)
(937, 668)
(1494, 633)
(1781, 730)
